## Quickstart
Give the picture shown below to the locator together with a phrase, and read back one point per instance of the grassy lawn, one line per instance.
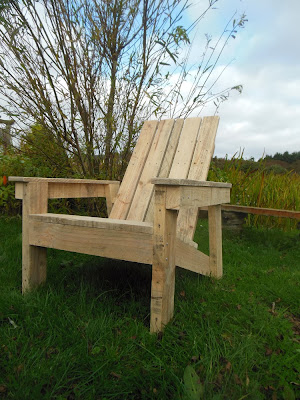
(85, 334)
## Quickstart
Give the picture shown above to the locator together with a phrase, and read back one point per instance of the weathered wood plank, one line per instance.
(78, 190)
(204, 149)
(167, 162)
(19, 190)
(180, 170)
(215, 241)
(94, 222)
(187, 219)
(134, 170)
(272, 212)
(189, 197)
(189, 182)
(118, 244)
(190, 258)
(26, 179)
(163, 266)
(187, 256)
(111, 192)
(34, 262)
(185, 149)
(141, 199)
(171, 149)
(66, 188)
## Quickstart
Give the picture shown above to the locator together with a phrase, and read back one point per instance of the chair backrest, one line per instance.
(180, 149)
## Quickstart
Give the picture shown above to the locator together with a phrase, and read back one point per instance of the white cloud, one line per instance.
(266, 117)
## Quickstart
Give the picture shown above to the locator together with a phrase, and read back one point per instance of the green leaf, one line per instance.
(172, 55)
(193, 387)
(96, 350)
(206, 69)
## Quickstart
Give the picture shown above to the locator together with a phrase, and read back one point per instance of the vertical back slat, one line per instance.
(187, 218)
(167, 162)
(204, 149)
(177, 150)
(185, 149)
(142, 196)
(134, 171)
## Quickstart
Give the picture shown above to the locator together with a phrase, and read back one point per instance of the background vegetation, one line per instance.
(259, 184)
(264, 183)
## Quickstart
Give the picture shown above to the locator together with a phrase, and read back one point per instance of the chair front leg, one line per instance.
(215, 241)
(34, 262)
(163, 268)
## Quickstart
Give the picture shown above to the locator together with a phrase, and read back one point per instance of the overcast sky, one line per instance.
(265, 118)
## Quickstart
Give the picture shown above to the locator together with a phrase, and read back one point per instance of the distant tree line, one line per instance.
(286, 156)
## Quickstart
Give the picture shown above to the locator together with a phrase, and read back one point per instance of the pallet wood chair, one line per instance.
(152, 215)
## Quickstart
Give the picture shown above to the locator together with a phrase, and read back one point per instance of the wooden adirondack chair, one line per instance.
(152, 215)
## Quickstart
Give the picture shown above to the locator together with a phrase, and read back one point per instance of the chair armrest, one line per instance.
(189, 193)
(189, 182)
(59, 188)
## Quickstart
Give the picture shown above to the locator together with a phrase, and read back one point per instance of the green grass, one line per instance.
(85, 333)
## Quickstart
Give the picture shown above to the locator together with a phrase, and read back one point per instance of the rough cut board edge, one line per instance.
(122, 245)
(94, 222)
(26, 179)
(189, 182)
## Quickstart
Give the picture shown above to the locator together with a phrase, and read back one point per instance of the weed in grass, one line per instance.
(85, 333)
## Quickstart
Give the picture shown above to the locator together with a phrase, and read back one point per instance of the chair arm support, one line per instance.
(59, 188)
(185, 193)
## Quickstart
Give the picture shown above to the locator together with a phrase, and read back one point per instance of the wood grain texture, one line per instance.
(78, 190)
(185, 149)
(188, 257)
(43, 233)
(68, 188)
(194, 197)
(19, 190)
(119, 244)
(163, 265)
(134, 170)
(94, 222)
(142, 196)
(166, 163)
(204, 149)
(26, 179)
(215, 241)
(111, 192)
(189, 182)
(34, 262)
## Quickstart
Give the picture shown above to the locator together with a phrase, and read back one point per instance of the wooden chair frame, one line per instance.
(157, 243)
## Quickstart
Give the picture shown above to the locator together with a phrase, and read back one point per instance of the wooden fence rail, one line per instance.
(262, 211)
